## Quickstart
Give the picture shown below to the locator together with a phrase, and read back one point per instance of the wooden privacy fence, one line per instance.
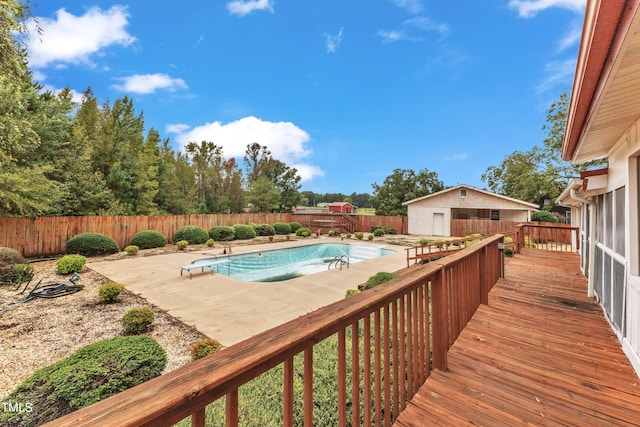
(389, 339)
(44, 236)
(465, 227)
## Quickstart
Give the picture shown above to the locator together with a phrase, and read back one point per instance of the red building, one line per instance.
(341, 207)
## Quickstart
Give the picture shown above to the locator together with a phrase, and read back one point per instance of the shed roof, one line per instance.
(524, 204)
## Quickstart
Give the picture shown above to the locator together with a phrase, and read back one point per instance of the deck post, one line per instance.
(440, 319)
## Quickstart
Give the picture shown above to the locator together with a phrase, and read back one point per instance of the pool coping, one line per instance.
(231, 310)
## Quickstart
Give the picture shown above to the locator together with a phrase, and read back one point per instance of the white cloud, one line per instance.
(459, 156)
(392, 36)
(426, 24)
(571, 38)
(243, 7)
(308, 172)
(558, 73)
(70, 39)
(176, 128)
(413, 6)
(332, 42)
(285, 140)
(530, 8)
(149, 83)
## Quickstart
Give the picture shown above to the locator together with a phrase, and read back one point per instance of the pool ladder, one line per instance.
(339, 260)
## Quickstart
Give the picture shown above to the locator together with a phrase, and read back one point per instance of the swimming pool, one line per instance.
(284, 264)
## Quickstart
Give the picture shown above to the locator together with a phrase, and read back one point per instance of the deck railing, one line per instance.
(437, 249)
(398, 332)
(550, 237)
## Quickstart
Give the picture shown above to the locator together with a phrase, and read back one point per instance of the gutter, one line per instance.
(592, 241)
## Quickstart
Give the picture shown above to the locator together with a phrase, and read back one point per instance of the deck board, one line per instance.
(541, 353)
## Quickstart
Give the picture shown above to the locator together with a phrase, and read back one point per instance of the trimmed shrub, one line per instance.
(370, 237)
(282, 228)
(544, 216)
(391, 231)
(90, 244)
(348, 235)
(137, 320)
(93, 373)
(182, 244)
(303, 232)
(192, 234)
(333, 233)
(378, 232)
(351, 292)
(264, 230)
(132, 250)
(70, 264)
(109, 292)
(295, 226)
(244, 231)
(222, 233)
(376, 227)
(211, 243)
(379, 278)
(203, 348)
(149, 239)
(9, 258)
(358, 235)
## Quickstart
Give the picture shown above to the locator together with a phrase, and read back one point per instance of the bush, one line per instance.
(182, 244)
(244, 231)
(348, 235)
(282, 228)
(149, 239)
(508, 252)
(109, 292)
(222, 233)
(370, 237)
(295, 226)
(9, 258)
(211, 243)
(544, 216)
(93, 373)
(203, 348)
(333, 233)
(132, 250)
(192, 234)
(358, 235)
(376, 227)
(90, 244)
(303, 232)
(22, 273)
(70, 264)
(137, 320)
(379, 278)
(351, 292)
(378, 232)
(424, 242)
(264, 230)
(392, 231)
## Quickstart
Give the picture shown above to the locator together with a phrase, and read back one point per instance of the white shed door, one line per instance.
(438, 224)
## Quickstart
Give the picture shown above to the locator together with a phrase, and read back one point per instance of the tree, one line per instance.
(539, 172)
(401, 186)
(263, 195)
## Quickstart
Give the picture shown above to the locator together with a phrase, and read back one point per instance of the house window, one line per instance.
(463, 193)
(495, 215)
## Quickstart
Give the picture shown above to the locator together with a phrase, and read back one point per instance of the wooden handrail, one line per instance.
(457, 285)
(548, 236)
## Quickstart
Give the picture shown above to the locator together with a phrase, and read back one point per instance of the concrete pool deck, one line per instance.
(231, 310)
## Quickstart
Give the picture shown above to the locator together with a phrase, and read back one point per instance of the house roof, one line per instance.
(606, 82)
(340, 204)
(468, 187)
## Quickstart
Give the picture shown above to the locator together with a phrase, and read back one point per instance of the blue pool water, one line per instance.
(284, 264)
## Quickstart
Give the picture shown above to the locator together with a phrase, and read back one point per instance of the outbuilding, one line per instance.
(341, 207)
(432, 214)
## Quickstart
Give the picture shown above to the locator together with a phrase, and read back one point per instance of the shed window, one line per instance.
(495, 215)
(463, 193)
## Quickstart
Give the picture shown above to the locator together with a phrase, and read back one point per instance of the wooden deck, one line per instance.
(540, 353)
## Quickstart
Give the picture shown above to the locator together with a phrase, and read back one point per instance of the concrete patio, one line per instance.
(231, 310)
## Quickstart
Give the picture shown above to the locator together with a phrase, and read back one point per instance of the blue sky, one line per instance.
(345, 91)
